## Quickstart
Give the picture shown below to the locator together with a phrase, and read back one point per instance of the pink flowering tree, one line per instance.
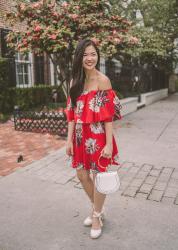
(55, 29)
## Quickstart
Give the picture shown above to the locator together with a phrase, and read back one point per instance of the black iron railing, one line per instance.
(53, 122)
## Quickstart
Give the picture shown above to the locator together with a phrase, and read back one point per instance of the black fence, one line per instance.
(129, 80)
(136, 79)
(52, 122)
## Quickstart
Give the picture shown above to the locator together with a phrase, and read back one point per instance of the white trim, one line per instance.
(31, 68)
(118, 65)
(154, 96)
(57, 80)
(52, 72)
(28, 73)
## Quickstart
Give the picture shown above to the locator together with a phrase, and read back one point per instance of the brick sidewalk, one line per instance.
(144, 182)
(33, 146)
(149, 182)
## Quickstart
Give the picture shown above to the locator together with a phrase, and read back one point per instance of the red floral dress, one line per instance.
(93, 108)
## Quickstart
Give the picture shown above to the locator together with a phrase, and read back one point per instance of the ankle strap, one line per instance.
(102, 210)
(99, 216)
(96, 214)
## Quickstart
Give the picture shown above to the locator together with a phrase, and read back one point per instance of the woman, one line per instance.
(91, 107)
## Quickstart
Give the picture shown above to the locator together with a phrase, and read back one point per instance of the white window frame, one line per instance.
(28, 73)
(118, 65)
(52, 73)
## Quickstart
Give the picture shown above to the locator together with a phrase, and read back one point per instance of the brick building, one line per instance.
(26, 70)
(30, 70)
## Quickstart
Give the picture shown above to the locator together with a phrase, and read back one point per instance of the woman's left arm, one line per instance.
(108, 129)
(107, 150)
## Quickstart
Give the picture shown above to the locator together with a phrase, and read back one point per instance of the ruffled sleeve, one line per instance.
(110, 107)
(69, 110)
(96, 106)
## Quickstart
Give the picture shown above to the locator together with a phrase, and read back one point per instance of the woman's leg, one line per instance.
(99, 199)
(87, 183)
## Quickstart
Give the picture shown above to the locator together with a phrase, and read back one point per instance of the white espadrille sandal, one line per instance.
(96, 233)
(88, 221)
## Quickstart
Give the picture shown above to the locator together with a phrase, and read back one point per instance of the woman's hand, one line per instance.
(107, 151)
(69, 148)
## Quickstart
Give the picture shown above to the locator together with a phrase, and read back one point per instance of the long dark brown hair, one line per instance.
(78, 73)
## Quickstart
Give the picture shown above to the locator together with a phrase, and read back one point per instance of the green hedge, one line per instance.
(177, 86)
(4, 80)
(28, 98)
(4, 73)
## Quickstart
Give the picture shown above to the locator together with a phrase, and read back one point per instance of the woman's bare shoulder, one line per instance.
(104, 82)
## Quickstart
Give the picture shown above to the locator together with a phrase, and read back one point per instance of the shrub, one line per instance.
(4, 73)
(4, 117)
(29, 98)
(177, 86)
(3, 80)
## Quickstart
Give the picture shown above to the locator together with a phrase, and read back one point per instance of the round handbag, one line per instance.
(107, 182)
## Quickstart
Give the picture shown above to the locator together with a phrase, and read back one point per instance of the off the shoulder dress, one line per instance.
(93, 108)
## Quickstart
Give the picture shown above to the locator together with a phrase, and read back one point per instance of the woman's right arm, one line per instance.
(69, 144)
(70, 131)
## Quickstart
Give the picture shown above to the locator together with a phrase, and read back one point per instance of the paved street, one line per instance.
(43, 204)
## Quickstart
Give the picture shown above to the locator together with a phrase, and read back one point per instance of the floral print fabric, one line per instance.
(92, 110)
(93, 106)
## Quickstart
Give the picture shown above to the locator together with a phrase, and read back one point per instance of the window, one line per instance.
(5, 50)
(102, 65)
(39, 69)
(23, 70)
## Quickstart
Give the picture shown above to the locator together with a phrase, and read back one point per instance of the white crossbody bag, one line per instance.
(107, 182)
